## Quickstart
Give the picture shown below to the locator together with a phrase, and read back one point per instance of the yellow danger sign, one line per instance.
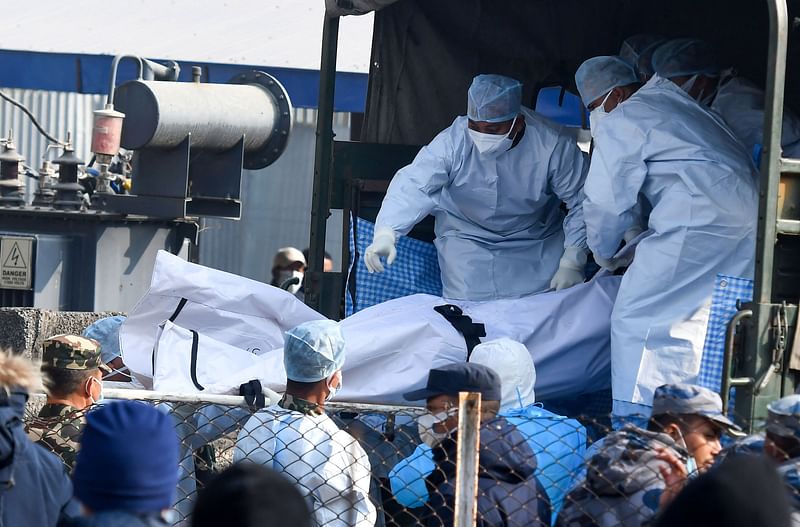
(16, 261)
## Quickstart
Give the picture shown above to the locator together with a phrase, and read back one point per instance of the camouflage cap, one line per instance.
(71, 352)
(690, 399)
(783, 417)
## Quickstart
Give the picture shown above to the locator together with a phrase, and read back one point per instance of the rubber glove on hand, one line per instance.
(610, 264)
(632, 233)
(570, 269)
(382, 245)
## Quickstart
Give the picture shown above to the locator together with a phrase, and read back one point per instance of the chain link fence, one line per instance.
(361, 464)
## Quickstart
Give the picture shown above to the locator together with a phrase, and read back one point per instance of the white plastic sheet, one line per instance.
(390, 347)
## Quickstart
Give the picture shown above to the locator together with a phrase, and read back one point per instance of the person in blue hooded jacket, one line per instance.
(509, 493)
(559, 443)
(35, 490)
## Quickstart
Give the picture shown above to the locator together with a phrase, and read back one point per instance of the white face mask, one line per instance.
(488, 144)
(285, 275)
(597, 115)
(332, 391)
(425, 424)
(89, 390)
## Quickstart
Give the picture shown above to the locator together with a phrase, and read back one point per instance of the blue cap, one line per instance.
(599, 75)
(128, 460)
(690, 399)
(460, 377)
(638, 52)
(494, 98)
(106, 332)
(632, 47)
(685, 56)
(783, 417)
(313, 351)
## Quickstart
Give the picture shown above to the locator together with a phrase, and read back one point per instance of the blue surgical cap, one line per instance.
(494, 98)
(106, 332)
(599, 75)
(632, 47)
(313, 351)
(638, 52)
(685, 56)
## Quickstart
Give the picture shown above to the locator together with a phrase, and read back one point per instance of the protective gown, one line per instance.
(499, 230)
(661, 145)
(741, 104)
(328, 466)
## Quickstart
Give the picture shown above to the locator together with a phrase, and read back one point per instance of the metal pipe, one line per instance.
(467, 459)
(114, 65)
(771, 158)
(727, 359)
(320, 200)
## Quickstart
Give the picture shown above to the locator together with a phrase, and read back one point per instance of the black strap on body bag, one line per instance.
(471, 331)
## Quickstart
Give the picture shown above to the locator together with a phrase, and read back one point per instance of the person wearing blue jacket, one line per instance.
(35, 490)
(509, 493)
(559, 443)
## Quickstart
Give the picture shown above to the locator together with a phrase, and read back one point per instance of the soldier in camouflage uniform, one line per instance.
(782, 444)
(73, 375)
(624, 482)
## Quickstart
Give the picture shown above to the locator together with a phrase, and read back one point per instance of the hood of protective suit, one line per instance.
(512, 361)
(627, 462)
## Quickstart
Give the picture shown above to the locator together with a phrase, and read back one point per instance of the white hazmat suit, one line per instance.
(500, 231)
(741, 104)
(662, 146)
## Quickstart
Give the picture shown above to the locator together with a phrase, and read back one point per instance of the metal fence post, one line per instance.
(469, 422)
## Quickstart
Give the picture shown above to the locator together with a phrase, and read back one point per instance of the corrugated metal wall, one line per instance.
(58, 113)
(276, 208)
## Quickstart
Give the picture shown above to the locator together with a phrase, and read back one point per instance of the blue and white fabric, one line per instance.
(728, 292)
(416, 271)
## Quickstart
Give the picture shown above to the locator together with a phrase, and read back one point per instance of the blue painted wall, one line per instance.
(79, 73)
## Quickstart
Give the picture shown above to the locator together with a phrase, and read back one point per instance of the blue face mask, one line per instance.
(691, 462)
(100, 398)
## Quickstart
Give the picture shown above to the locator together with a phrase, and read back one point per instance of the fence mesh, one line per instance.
(395, 466)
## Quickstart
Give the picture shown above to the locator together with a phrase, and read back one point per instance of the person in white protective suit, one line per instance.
(692, 65)
(494, 181)
(557, 441)
(296, 437)
(637, 50)
(659, 145)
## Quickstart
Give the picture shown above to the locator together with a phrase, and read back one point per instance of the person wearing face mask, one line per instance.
(297, 438)
(637, 51)
(657, 146)
(494, 181)
(559, 443)
(692, 65)
(73, 374)
(510, 492)
(106, 332)
(625, 478)
(288, 268)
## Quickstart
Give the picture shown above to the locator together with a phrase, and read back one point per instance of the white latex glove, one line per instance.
(611, 264)
(382, 245)
(631, 234)
(570, 269)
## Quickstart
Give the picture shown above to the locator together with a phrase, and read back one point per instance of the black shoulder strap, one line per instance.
(193, 367)
(471, 331)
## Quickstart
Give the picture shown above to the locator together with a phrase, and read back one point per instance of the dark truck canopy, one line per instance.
(425, 52)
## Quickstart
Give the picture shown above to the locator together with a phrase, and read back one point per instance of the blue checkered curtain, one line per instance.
(416, 270)
(728, 290)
